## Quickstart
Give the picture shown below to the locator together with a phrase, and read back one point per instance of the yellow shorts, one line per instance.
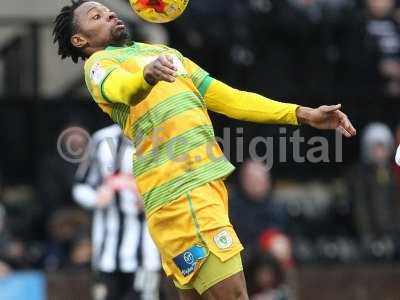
(213, 271)
(187, 229)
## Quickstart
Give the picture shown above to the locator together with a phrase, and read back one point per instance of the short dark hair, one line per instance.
(64, 27)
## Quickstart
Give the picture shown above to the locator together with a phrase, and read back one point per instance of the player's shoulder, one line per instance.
(99, 56)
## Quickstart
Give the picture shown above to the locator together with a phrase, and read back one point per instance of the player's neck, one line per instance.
(89, 51)
(92, 50)
(124, 43)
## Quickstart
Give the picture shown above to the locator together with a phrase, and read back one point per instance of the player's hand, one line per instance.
(326, 117)
(162, 69)
(104, 197)
(122, 181)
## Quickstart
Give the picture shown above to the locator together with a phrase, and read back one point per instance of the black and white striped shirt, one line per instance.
(121, 239)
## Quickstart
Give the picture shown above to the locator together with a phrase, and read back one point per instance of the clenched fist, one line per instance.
(162, 69)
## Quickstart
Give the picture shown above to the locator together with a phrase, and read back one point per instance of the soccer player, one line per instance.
(124, 255)
(160, 100)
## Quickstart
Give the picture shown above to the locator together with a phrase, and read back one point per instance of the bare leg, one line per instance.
(232, 288)
(188, 295)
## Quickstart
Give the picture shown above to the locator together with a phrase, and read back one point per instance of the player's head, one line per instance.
(85, 27)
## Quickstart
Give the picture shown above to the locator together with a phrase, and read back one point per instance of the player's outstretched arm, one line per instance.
(247, 106)
(252, 107)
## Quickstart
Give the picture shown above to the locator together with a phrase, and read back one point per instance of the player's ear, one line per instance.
(78, 41)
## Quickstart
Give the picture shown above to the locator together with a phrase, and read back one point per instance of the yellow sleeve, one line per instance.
(124, 87)
(109, 83)
(246, 106)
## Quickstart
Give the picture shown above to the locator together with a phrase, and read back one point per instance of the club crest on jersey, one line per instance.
(223, 240)
(97, 73)
(187, 260)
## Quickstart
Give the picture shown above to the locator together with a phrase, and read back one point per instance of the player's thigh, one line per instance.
(188, 295)
(232, 288)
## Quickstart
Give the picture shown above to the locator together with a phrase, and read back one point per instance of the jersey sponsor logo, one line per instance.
(188, 257)
(97, 73)
(223, 240)
(187, 261)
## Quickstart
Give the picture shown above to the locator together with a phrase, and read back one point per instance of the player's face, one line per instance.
(98, 27)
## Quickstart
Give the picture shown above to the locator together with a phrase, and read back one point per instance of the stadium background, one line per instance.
(312, 52)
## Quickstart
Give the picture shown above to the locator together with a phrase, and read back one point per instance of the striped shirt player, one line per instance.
(121, 241)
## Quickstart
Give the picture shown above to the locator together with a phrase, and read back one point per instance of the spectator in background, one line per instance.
(17, 214)
(123, 252)
(383, 28)
(81, 253)
(4, 269)
(266, 279)
(276, 245)
(66, 225)
(376, 201)
(251, 208)
(274, 242)
(14, 253)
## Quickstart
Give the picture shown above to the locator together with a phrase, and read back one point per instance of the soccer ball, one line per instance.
(159, 11)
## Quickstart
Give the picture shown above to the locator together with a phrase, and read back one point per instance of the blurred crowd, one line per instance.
(281, 48)
(296, 48)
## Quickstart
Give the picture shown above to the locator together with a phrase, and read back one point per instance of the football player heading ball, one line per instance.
(153, 89)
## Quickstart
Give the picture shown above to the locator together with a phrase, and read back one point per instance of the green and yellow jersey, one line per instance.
(168, 123)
